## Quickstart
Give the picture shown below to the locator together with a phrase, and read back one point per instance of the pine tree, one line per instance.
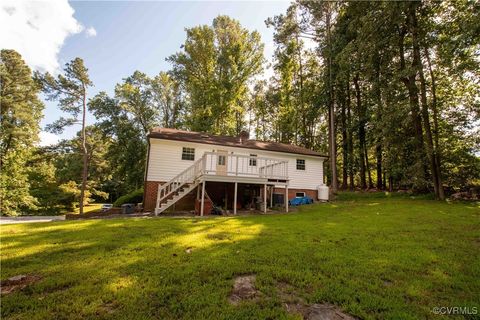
(70, 90)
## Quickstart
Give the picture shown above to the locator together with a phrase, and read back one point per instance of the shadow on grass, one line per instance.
(397, 263)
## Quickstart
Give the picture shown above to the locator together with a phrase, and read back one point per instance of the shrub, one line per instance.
(132, 197)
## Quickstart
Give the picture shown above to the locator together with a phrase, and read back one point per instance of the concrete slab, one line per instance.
(30, 219)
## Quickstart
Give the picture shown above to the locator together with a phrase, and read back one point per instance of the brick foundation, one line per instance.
(187, 203)
(150, 195)
(216, 192)
(292, 192)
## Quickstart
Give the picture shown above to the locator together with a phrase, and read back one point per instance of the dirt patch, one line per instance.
(295, 304)
(17, 283)
(243, 289)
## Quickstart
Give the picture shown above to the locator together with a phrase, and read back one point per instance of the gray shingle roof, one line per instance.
(199, 137)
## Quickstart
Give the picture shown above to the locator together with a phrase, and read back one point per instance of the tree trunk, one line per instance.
(378, 146)
(378, 154)
(361, 133)
(331, 108)
(344, 147)
(350, 138)
(437, 151)
(384, 180)
(301, 96)
(85, 154)
(423, 97)
(411, 86)
(367, 164)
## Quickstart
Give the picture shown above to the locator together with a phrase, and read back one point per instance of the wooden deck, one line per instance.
(224, 167)
(218, 166)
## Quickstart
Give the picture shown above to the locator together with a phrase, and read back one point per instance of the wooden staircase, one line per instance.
(178, 187)
(182, 192)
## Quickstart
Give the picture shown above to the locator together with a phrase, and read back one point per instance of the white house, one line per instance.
(192, 170)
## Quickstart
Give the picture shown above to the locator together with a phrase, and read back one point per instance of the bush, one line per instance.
(132, 197)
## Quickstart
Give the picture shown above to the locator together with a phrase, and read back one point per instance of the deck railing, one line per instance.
(225, 164)
(228, 164)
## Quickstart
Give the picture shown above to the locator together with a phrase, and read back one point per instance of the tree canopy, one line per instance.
(389, 89)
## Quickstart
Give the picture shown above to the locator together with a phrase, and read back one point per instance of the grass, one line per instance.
(377, 257)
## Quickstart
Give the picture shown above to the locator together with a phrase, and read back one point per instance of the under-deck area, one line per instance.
(233, 196)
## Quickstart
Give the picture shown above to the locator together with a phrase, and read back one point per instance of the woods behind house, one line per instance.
(390, 90)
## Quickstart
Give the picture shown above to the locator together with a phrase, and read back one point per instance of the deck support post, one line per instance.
(286, 198)
(202, 206)
(235, 199)
(271, 196)
(264, 198)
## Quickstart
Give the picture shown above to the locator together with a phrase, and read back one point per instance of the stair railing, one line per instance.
(186, 176)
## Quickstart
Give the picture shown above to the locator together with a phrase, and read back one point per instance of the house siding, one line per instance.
(165, 162)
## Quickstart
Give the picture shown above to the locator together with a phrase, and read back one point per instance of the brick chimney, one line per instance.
(243, 136)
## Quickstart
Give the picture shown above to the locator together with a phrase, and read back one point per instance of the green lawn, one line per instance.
(375, 257)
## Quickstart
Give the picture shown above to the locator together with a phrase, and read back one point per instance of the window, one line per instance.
(300, 194)
(188, 154)
(221, 160)
(300, 164)
(252, 162)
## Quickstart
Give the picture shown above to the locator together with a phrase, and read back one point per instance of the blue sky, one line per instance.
(140, 35)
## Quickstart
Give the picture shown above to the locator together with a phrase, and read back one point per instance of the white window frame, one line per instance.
(221, 160)
(252, 162)
(304, 164)
(297, 194)
(187, 151)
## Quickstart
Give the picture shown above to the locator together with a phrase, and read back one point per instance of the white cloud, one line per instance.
(47, 138)
(37, 30)
(91, 32)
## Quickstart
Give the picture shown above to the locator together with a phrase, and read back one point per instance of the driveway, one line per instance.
(29, 219)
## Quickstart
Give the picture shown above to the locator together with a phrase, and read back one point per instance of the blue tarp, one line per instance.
(298, 201)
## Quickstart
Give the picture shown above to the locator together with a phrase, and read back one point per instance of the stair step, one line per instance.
(180, 193)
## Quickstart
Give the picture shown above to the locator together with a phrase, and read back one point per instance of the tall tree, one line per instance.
(69, 161)
(296, 79)
(167, 97)
(128, 148)
(135, 96)
(20, 114)
(140, 104)
(70, 90)
(388, 55)
(215, 66)
(323, 16)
